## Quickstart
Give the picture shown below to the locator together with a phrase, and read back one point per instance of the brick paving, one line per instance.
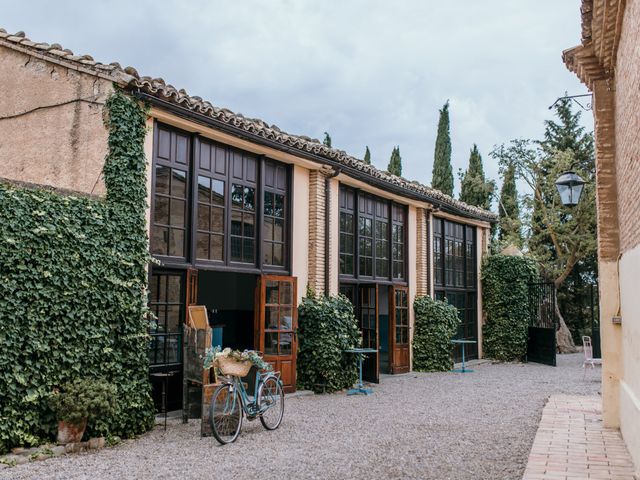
(571, 443)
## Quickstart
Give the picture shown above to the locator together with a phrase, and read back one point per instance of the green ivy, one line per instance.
(328, 327)
(505, 297)
(73, 285)
(435, 325)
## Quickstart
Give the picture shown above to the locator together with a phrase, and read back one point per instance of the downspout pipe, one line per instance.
(327, 226)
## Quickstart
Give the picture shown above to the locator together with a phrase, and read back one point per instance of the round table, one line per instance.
(463, 343)
(360, 353)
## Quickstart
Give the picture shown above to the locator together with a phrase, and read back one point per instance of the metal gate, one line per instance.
(541, 345)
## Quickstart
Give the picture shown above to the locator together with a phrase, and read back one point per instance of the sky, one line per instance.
(370, 72)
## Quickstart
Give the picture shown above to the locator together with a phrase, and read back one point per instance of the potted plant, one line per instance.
(79, 402)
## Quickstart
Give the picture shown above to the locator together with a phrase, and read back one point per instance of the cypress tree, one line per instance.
(395, 162)
(367, 156)
(442, 175)
(475, 189)
(327, 139)
(509, 209)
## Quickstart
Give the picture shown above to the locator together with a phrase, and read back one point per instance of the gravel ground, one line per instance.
(441, 426)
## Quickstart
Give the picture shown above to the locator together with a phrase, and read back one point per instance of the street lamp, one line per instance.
(570, 186)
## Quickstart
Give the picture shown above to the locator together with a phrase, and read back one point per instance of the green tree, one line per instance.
(571, 231)
(367, 156)
(475, 189)
(327, 139)
(395, 162)
(510, 224)
(442, 175)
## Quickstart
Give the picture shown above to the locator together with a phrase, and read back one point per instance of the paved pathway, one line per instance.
(474, 426)
(572, 443)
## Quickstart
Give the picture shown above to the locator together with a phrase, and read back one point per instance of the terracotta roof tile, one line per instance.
(128, 77)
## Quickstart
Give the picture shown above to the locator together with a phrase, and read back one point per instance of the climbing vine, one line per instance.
(73, 291)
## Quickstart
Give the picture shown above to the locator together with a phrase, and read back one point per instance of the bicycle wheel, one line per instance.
(226, 414)
(271, 397)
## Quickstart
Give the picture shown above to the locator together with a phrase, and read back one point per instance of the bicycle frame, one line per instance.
(250, 408)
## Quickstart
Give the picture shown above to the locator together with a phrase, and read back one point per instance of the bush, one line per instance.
(73, 276)
(505, 296)
(436, 324)
(328, 327)
(85, 398)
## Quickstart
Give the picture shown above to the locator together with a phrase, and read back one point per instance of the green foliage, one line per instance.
(395, 162)
(436, 325)
(442, 175)
(327, 140)
(73, 291)
(367, 156)
(85, 398)
(475, 189)
(510, 231)
(505, 297)
(328, 327)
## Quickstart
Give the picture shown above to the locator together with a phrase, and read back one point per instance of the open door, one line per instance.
(276, 325)
(368, 316)
(399, 329)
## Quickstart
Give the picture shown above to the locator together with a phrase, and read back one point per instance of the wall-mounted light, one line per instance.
(570, 186)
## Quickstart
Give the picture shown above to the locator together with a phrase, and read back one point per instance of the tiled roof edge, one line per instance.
(128, 77)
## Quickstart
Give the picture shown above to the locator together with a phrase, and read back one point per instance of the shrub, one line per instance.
(85, 398)
(328, 327)
(505, 297)
(73, 276)
(436, 325)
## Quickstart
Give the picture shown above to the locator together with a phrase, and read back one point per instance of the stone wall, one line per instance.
(51, 125)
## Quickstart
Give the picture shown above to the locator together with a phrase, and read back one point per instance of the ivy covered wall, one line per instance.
(72, 291)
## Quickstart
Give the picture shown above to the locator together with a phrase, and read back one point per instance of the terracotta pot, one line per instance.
(69, 432)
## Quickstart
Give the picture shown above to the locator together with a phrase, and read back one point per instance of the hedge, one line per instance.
(73, 291)
(327, 327)
(436, 323)
(505, 297)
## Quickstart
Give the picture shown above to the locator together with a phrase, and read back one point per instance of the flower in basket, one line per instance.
(214, 354)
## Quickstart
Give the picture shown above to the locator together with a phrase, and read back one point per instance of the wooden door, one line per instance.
(276, 325)
(368, 316)
(399, 329)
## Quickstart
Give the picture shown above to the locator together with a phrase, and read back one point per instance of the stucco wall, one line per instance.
(300, 215)
(62, 146)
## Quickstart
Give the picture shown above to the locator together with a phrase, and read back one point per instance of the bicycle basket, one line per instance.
(231, 366)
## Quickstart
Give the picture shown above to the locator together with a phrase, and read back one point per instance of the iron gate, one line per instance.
(541, 345)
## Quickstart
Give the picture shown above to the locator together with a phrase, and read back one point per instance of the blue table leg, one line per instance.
(463, 369)
(360, 389)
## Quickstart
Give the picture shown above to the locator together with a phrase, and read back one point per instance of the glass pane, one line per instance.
(278, 210)
(202, 246)
(176, 243)
(271, 343)
(236, 223)
(272, 292)
(204, 189)
(285, 343)
(249, 198)
(268, 228)
(398, 335)
(203, 217)
(159, 240)
(247, 250)
(162, 179)
(267, 253)
(286, 320)
(173, 318)
(217, 197)
(236, 195)
(216, 247)
(217, 219)
(174, 282)
(382, 231)
(278, 255)
(278, 230)
(179, 183)
(173, 349)
(248, 225)
(177, 212)
(268, 203)
(161, 314)
(161, 211)
(236, 249)
(285, 293)
(271, 318)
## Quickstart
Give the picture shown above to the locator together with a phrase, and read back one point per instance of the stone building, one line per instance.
(243, 216)
(608, 62)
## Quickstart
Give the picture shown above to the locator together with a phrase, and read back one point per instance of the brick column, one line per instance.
(422, 253)
(316, 231)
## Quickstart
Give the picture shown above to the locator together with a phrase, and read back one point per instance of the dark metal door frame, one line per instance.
(541, 344)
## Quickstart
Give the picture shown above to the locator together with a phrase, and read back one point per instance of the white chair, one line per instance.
(588, 355)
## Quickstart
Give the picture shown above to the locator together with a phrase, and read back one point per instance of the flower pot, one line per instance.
(69, 432)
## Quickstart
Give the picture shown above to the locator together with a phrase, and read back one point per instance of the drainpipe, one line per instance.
(327, 226)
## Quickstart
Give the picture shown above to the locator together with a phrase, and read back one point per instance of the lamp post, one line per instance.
(570, 186)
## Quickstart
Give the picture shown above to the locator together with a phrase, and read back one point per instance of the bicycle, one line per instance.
(230, 402)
